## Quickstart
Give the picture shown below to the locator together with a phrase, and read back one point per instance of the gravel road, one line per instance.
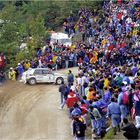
(31, 112)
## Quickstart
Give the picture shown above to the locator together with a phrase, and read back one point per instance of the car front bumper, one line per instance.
(23, 79)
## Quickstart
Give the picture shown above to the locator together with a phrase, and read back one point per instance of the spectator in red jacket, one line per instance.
(71, 100)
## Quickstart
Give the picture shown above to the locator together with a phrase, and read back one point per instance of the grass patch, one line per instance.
(88, 134)
(89, 131)
(109, 135)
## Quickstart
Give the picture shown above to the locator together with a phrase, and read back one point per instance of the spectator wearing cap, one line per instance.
(73, 87)
(12, 74)
(20, 69)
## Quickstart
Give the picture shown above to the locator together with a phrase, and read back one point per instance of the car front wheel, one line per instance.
(59, 80)
(32, 81)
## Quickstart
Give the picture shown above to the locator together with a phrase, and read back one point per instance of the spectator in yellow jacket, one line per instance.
(12, 74)
(106, 82)
(27, 65)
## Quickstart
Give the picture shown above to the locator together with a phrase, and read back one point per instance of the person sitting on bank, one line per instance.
(131, 132)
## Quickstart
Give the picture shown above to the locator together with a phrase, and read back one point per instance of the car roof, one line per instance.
(40, 68)
(32, 70)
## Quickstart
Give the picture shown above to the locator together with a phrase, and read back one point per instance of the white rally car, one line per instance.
(42, 75)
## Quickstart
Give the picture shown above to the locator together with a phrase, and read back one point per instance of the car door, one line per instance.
(51, 76)
(38, 75)
(48, 76)
(45, 75)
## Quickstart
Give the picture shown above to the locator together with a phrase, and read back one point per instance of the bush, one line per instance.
(23, 20)
(109, 135)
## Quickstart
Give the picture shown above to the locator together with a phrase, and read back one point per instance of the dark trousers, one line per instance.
(130, 136)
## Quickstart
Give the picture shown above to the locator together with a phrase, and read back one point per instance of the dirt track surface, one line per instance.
(31, 112)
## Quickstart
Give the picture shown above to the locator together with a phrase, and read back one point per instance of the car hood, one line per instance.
(30, 71)
(26, 72)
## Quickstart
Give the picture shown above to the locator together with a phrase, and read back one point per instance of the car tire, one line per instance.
(32, 81)
(59, 80)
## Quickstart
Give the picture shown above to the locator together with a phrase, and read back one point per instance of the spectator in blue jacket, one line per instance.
(76, 110)
(114, 112)
(70, 78)
(108, 95)
(123, 107)
(20, 69)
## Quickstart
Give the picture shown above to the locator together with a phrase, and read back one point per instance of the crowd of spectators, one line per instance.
(107, 86)
(113, 37)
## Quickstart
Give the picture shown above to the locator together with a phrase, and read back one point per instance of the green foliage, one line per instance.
(9, 32)
(109, 135)
(23, 55)
(62, 9)
(29, 22)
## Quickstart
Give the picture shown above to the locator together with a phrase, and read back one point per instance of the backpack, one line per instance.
(125, 98)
